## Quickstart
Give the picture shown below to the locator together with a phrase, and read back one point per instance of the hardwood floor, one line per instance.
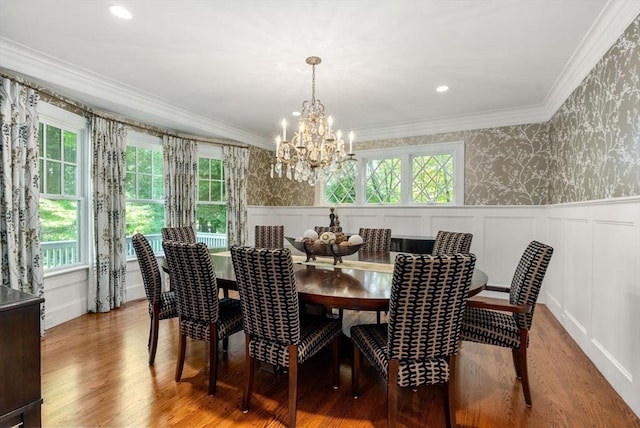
(95, 373)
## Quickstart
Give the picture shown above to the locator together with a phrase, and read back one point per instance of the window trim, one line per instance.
(405, 153)
(49, 114)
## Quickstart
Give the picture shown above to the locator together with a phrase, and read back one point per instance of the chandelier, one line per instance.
(314, 151)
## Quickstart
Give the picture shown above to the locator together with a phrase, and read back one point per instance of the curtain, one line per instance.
(236, 165)
(108, 288)
(180, 174)
(20, 250)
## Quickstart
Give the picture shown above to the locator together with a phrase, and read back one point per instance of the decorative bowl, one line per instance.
(313, 249)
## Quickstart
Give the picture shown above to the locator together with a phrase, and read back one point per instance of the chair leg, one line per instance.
(392, 394)
(225, 344)
(250, 366)
(336, 362)
(153, 334)
(514, 356)
(293, 384)
(522, 366)
(355, 372)
(449, 396)
(377, 317)
(181, 352)
(213, 358)
(150, 331)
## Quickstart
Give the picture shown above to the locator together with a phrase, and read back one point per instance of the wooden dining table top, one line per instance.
(341, 286)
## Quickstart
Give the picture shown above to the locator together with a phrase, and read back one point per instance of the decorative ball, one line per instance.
(355, 240)
(311, 234)
(328, 238)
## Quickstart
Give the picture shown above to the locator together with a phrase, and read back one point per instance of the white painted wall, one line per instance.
(592, 285)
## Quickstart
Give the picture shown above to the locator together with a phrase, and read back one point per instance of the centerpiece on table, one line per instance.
(326, 244)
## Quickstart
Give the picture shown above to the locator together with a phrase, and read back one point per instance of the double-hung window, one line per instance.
(404, 176)
(211, 207)
(144, 190)
(62, 137)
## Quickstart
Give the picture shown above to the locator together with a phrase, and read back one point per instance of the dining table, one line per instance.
(361, 282)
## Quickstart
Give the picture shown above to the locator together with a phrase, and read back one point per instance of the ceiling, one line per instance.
(234, 69)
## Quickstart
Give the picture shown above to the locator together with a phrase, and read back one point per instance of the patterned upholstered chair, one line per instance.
(274, 331)
(452, 242)
(506, 324)
(420, 343)
(180, 234)
(322, 229)
(269, 236)
(375, 240)
(203, 316)
(162, 304)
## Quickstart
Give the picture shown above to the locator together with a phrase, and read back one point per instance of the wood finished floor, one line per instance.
(95, 373)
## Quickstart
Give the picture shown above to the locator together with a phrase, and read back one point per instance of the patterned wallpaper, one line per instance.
(595, 135)
(503, 166)
(279, 192)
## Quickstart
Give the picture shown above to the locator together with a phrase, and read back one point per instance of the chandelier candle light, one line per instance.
(314, 151)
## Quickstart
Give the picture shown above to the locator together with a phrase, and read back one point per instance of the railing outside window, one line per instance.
(64, 253)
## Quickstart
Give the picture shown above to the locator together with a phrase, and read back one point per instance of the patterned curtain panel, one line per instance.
(109, 203)
(21, 266)
(180, 175)
(236, 166)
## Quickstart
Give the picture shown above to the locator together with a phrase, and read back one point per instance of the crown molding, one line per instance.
(143, 106)
(614, 19)
(491, 119)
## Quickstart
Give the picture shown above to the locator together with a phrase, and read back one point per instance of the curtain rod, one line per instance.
(86, 111)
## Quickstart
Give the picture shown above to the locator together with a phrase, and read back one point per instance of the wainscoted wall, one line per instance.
(592, 284)
(595, 135)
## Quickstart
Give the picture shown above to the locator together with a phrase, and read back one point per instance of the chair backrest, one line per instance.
(193, 279)
(148, 267)
(181, 234)
(269, 236)
(452, 242)
(321, 229)
(428, 297)
(268, 292)
(375, 240)
(527, 279)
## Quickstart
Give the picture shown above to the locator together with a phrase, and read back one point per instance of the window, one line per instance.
(62, 189)
(144, 190)
(211, 207)
(430, 174)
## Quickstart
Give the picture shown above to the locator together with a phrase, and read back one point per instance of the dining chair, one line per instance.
(452, 242)
(269, 236)
(274, 331)
(162, 304)
(419, 344)
(321, 229)
(507, 323)
(181, 234)
(203, 315)
(375, 240)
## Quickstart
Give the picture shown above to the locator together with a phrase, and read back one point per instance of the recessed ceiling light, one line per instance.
(295, 113)
(120, 12)
(442, 88)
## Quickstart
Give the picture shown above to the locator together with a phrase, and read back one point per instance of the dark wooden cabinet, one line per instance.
(412, 244)
(20, 389)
